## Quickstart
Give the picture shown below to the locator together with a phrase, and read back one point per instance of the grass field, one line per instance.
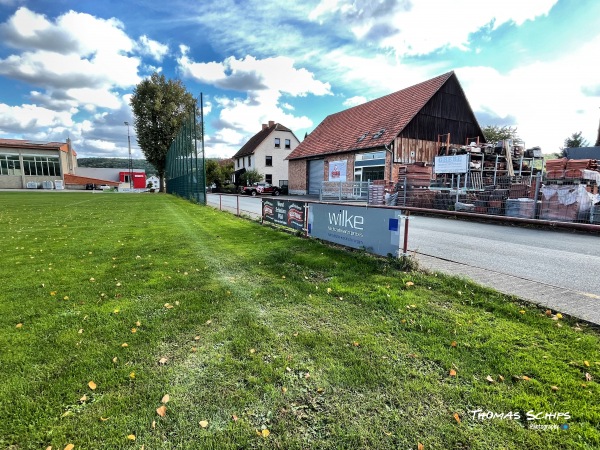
(262, 339)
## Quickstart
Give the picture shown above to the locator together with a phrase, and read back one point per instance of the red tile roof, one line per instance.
(341, 132)
(249, 147)
(77, 180)
(31, 145)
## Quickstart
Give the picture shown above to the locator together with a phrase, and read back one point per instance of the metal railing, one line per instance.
(343, 190)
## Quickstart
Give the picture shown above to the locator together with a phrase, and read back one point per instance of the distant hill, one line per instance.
(117, 163)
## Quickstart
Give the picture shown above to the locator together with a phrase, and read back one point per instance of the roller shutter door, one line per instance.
(316, 170)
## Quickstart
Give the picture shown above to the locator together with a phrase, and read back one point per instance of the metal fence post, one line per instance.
(237, 199)
(536, 196)
(340, 195)
(405, 246)
(404, 189)
(220, 202)
(458, 188)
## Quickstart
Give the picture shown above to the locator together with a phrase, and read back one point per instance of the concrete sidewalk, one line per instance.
(582, 305)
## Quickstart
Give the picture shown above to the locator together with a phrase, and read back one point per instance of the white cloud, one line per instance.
(545, 98)
(265, 81)
(31, 118)
(70, 57)
(420, 27)
(153, 48)
(354, 101)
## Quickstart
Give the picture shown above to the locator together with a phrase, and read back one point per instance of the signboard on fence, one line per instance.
(376, 230)
(284, 212)
(452, 164)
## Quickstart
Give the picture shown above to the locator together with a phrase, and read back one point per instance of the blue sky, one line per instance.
(67, 68)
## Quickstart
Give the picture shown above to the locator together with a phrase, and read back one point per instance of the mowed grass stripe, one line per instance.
(322, 347)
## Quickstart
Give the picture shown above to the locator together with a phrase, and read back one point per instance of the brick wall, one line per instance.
(297, 176)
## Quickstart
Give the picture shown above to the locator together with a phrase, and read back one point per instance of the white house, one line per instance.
(266, 152)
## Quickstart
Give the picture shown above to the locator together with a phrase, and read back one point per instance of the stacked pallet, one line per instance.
(555, 168)
(376, 194)
(575, 167)
(417, 175)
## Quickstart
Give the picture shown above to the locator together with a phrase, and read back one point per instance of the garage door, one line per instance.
(316, 171)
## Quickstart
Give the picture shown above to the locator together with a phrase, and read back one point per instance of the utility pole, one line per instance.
(130, 161)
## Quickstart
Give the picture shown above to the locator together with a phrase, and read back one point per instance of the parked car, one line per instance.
(261, 188)
(97, 187)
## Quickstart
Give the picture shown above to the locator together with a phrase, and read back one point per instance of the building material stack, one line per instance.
(570, 191)
(417, 176)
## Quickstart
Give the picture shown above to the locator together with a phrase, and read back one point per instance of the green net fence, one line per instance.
(185, 172)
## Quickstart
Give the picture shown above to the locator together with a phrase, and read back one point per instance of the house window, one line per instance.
(277, 142)
(288, 144)
(249, 161)
(41, 166)
(268, 178)
(10, 165)
(269, 161)
(238, 162)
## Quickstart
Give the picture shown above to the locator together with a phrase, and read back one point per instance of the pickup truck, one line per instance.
(260, 188)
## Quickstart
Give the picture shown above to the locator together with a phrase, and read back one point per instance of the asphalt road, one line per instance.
(557, 258)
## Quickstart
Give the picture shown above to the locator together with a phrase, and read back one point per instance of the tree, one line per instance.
(218, 171)
(495, 133)
(573, 141)
(159, 108)
(251, 176)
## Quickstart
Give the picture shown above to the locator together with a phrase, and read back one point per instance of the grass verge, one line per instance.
(262, 339)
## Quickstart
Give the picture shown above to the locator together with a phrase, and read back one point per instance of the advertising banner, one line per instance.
(284, 212)
(337, 170)
(375, 230)
(452, 164)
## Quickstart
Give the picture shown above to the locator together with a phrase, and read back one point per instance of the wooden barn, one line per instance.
(376, 140)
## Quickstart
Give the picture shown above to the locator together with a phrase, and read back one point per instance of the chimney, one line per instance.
(264, 126)
(271, 123)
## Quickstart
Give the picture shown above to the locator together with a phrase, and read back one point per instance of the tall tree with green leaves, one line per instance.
(495, 133)
(159, 108)
(573, 141)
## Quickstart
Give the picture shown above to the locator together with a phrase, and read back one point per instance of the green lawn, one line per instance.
(267, 339)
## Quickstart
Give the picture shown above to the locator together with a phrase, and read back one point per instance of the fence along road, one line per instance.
(556, 269)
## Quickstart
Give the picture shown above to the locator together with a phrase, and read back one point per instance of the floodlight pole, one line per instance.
(130, 161)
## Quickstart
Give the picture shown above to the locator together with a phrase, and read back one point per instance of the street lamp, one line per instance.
(130, 161)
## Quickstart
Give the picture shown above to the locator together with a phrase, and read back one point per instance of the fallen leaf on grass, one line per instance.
(92, 280)
(103, 419)
(203, 423)
(138, 324)
(161, 411)
(588, 377)
(114, 360)
(83, 399)
(554, 388)
(525, 377)
(501, 377)
(168, 306)
(586, 363)
(284, 389)
(452, 372)
(558, 315)
(234, 418)
(131, 437)
(134, 330)
(329, 290)
(307, 375)
(124, 344)
(490, 379)
(132, 375)
(265, 433)
(548, 312)
(165, 398)
(162, 361)
(69, 447)
(456, 417)
(522, 311)
(252, 351)
(196, 338)
(420, 446)
(409, 284)
(153, 424)
(208, 322)
(53, 293)
(80, 331)
(453, 344)
(92, 385)
(19, 325)
(356, 344)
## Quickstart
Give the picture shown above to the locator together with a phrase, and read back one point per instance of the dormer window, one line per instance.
(362, 136)
(378, 134)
